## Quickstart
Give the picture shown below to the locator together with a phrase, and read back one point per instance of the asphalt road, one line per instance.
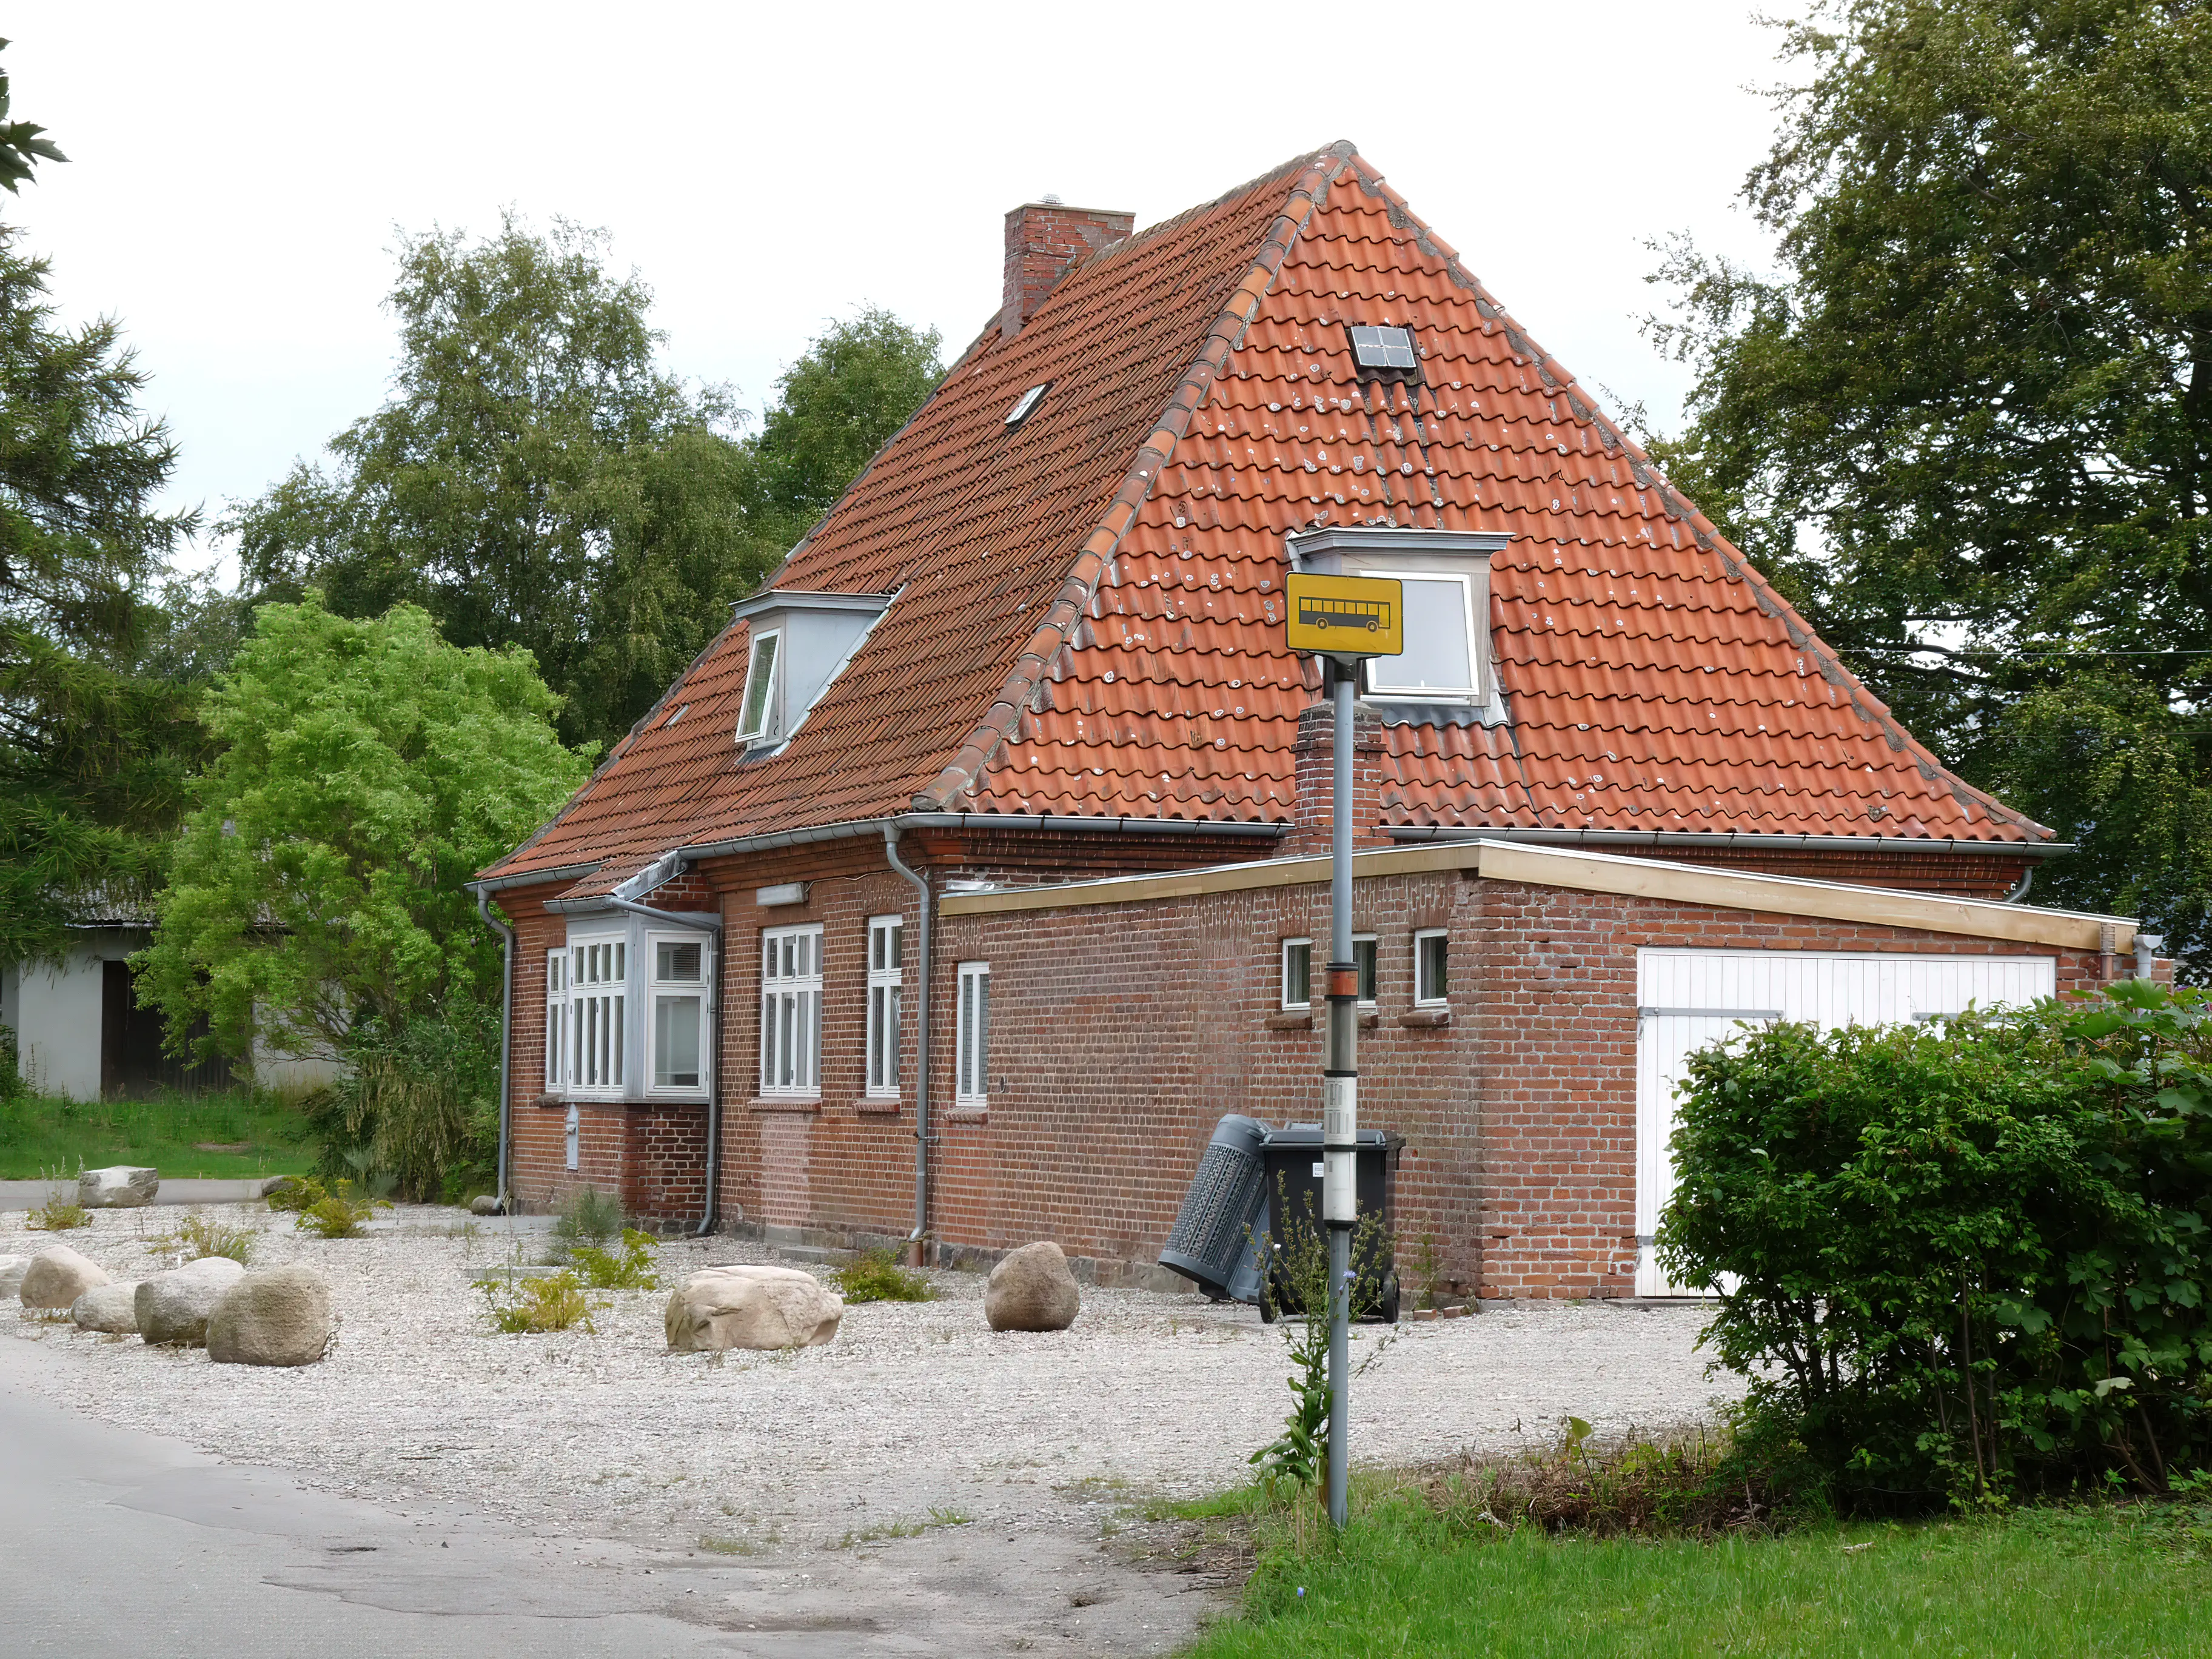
(118, 1545)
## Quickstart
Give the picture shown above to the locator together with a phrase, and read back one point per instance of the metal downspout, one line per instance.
(506, 1035)
(2027, 881)
(920, 1047)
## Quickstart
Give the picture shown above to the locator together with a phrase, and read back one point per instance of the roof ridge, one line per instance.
(1320, 169)
(1703, 529)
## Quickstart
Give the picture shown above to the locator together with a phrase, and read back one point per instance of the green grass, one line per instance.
(46, 1136)
(1405, 1582)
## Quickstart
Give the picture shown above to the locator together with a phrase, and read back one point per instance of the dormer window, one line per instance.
(801, 643)
(1446, 574)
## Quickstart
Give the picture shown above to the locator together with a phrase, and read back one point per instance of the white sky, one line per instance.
(237, 171)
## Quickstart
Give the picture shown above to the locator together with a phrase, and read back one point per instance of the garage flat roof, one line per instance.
(1583, 871)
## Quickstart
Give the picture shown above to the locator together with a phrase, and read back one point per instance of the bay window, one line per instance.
(629, 1014)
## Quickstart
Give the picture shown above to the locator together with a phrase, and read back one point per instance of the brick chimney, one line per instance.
(1043, 240)
(1315, 814)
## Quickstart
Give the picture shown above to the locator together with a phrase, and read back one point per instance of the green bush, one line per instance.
(589, 1216)
(12, 1086)
(632, 1270)
(419, 1102)
(338, 1213)
(876, 1276)
(555, 1302)
(1967, 1262)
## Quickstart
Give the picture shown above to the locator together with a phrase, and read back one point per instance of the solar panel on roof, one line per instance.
(1383, 348)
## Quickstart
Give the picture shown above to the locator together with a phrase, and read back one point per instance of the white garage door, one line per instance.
(1689, 999)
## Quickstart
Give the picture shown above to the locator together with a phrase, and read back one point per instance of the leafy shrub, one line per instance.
(554, 1302)
(632, 1270)
(1969, 1261)
(590, 1216)
(876, 1276)
(339, 1213)
(419, 1102)
(12, 1086)
(199, 1236)
(297, 1192)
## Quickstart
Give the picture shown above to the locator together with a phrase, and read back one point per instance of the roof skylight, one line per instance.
(1025, 405)
(1383, 348)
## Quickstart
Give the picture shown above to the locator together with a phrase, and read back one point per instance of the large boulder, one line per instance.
(1031, 1290)
(174, 1307)
(117, 1186)
(111, 1307)
(751, 1307)
(56, 1277)
(272, 1317)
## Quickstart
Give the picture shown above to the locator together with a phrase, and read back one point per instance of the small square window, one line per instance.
(1298, 973)
(1383, 348)
(1440, 656)
(1429, 956)
(675, 963)
(758, 708)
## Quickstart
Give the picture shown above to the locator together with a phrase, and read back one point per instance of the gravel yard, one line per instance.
(915, 1415)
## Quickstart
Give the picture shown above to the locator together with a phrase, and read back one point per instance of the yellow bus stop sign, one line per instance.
(1348, 615)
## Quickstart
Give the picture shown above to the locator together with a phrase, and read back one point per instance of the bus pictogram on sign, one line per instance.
(1316, 611)
(1345, 616)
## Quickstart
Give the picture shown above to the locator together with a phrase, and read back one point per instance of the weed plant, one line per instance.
(524, 1306)
(339, 1213)
(876, 1276)
(58, 1214)
(589, 1216)
(632, 1269)
(199, 1236)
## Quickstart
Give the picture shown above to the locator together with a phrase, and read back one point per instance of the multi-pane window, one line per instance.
(1428, 959)
(679, 1010)
(972, 1084)
(886, 980)
(556, 1017)
(597, 1007)
(791, 1012)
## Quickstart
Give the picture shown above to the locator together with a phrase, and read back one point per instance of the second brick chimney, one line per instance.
(1043, 240)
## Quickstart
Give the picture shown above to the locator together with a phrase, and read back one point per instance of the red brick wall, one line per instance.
(1123, 1032)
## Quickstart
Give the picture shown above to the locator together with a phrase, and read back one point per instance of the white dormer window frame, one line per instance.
(800, 642)
(1447, 577)
(758, 716)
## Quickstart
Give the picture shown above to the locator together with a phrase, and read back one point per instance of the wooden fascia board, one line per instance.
(1591, 873)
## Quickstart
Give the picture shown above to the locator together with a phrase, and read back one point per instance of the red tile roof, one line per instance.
(1088, 618)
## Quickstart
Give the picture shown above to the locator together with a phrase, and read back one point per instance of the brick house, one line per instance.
(963, 882)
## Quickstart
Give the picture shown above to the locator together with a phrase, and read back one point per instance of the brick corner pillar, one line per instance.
(1316, 752)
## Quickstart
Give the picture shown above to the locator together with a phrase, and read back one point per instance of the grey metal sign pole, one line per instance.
(1341, 1095)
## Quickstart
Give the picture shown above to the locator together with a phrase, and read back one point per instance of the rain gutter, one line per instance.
(1768, 843)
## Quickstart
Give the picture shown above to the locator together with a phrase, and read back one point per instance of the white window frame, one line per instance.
(657, 988)
(1375, 950)
(556, 1018)
(791, 1013)
(886, 991)
(1283, 978)
(972, 1048)
(598, 1061)
(1383, 693)
(765, 726)
(1424, 995)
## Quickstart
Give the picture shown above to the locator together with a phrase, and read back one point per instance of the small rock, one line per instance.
(1031, 1290)
(272, 1317)
(276, 1184)
(483, 1204)
(746, 1307)
(56, 1277)
(118, 1186)
(174, 1307)
(111, 1307)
